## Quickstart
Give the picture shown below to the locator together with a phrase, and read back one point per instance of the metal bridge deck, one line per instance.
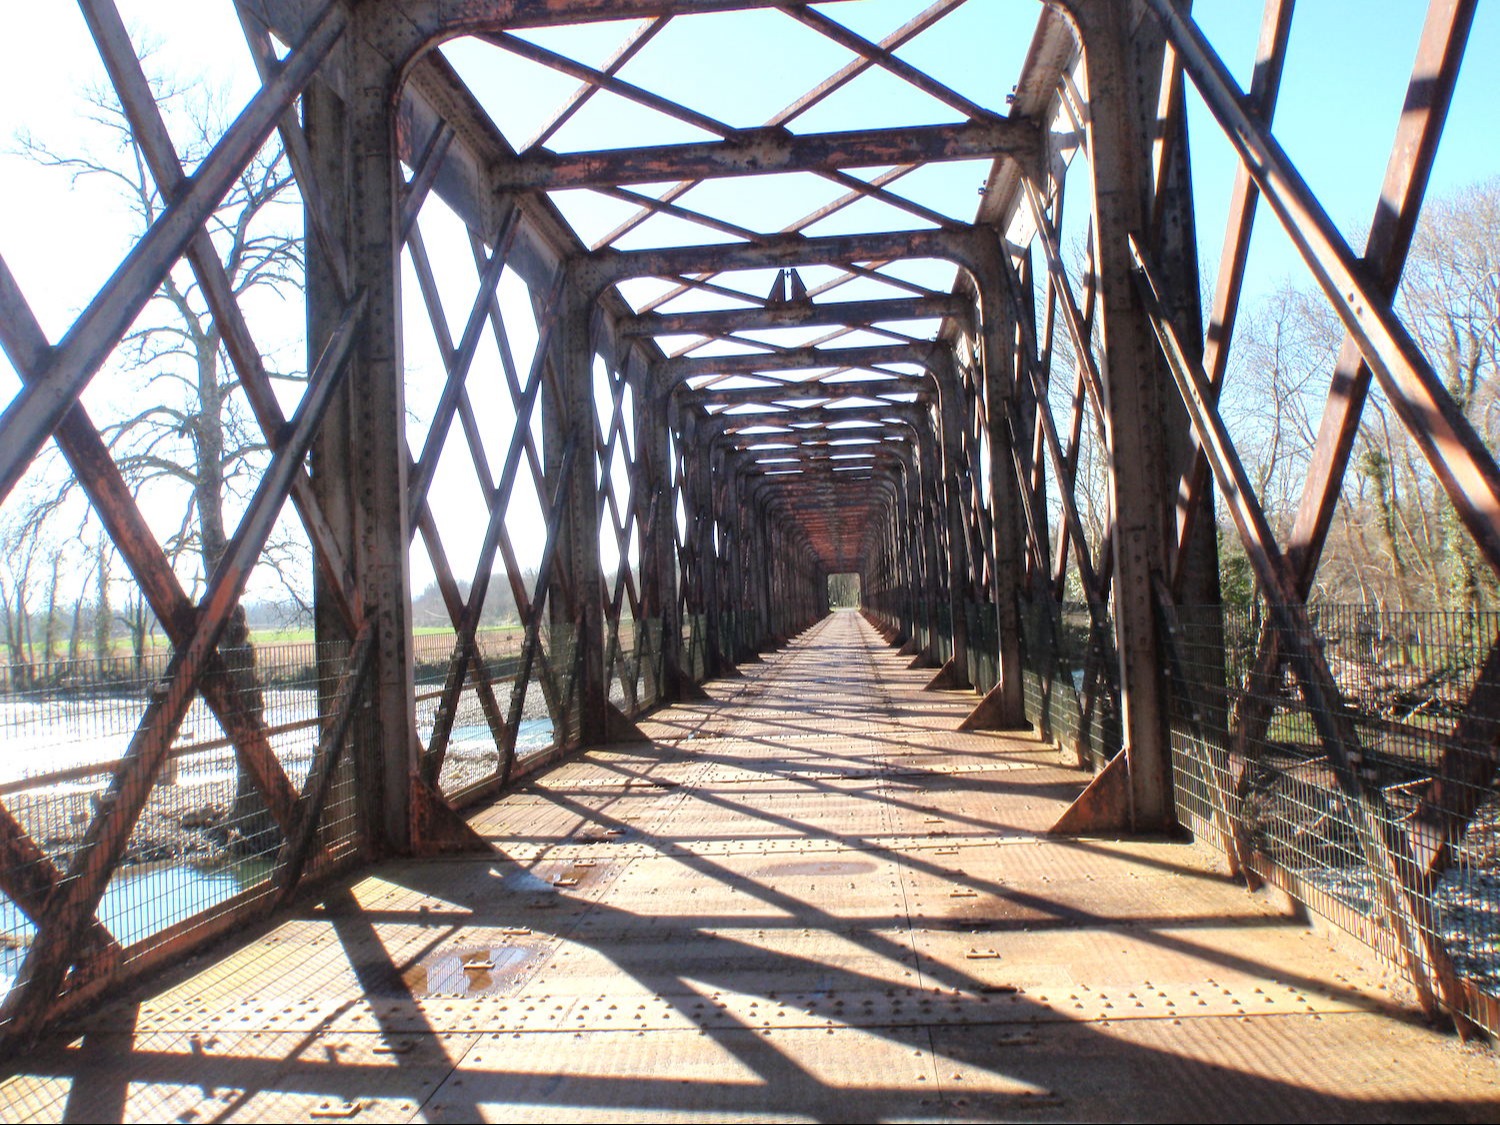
(807, 898)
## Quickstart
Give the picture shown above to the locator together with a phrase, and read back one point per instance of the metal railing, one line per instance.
(1252, 776)
(206, 848)
(1069, 682)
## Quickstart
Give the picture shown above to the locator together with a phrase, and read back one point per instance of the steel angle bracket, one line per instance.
(1104, 807)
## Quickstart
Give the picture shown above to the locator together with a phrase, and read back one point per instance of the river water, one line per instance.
(40, 738)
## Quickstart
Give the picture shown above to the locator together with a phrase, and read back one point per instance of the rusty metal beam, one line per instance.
(1063, 476)
(908, 413)
(814, 485)
(429, 163)
(759, 152)
(851, 70)
(457, 361)
(150, 133)
(428, 20)
(299, 155)
(795, 314)
(575, 101)
(809, 389)
(456, 607)
(1457, 455)
(29, 878)
(116, 506)
(1446, 808)
(70, 914)
(1391, 230)
(749, 449)
(1093, 580)
(297, 848)
(813, 482)
(603, 268)
(1381, 842)
(536, 53)
(749, 464)
(1265, 85)
(1079, 328)
(797, 359)
(886, 58)
(1119, 124)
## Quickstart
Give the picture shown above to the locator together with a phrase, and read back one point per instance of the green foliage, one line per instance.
(1236, 579)
(843, 591)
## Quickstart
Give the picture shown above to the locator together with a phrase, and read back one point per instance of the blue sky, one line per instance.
(1346, 76)
(1341, 98)
(1345, 81)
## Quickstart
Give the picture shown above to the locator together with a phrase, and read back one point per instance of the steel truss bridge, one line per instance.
(701, 420)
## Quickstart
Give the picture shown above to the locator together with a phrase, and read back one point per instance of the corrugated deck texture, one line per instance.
(807, 898)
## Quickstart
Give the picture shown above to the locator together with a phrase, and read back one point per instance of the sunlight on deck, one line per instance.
(807, 897)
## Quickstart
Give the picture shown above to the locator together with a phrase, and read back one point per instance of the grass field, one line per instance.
(306, 634)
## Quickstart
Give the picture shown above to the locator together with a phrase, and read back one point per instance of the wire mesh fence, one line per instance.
(478, 729)
(942, 639)
(1069, 682)
(207, 842)
(984, 645)
(635, 665)
(1410, 828)
(695, 646)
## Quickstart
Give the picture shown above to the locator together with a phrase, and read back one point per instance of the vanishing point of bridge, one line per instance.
(625, 370)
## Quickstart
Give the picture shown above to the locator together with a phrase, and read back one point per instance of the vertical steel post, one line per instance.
(658, 546)
(927, 486)
(1007, 705)
(360, 460)
(569, 411)
(698, 463)
(1122, 101)
(955, 673)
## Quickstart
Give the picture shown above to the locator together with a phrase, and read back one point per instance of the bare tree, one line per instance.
(139, 624)
(1397, 541)
(1450, 298)
(103, 618)
(18, 575)
(29, 555)
(1284, 355)
(185, 435)
(189, 425)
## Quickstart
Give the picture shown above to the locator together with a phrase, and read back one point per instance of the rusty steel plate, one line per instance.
(1353, 1067)
(247, 1076)
(769, 965)
(723, 1075)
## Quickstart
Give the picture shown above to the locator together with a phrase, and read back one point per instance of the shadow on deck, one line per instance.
(808, 897)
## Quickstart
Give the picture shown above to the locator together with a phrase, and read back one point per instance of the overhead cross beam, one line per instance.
(758, 152)
(812, 389)
(690, 367)
(795, 314)
(893, 431)
(908, 413)
(964, 247)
